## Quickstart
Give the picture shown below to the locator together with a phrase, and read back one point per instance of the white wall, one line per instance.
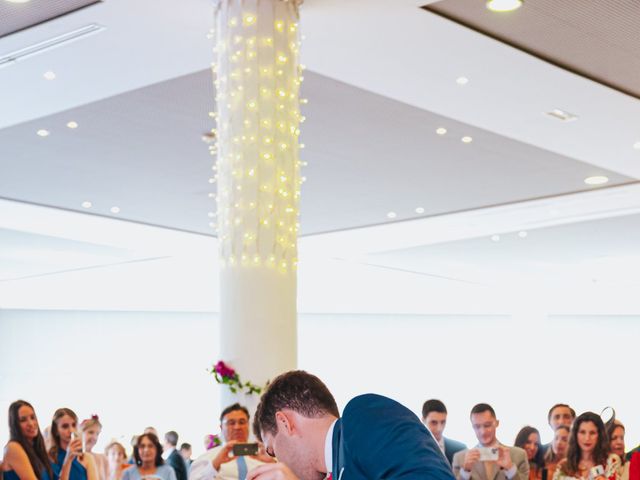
(121, 366)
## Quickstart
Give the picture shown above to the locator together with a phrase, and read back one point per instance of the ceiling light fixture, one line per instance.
(392, 215)
(441, 131)
(53, 42)
(72, 124)
(522, 234)
(562, 115)
(495, 238)
(18, 1)
(419, 210)
(49, 75)
(86, 204)
(596, 180)
(114, 209)
(504, 5)
(636, 145)
(462, 80)
(42, 132)
(466, 139)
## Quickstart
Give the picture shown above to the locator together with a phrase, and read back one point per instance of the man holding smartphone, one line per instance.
(235, 457)
(489, 460)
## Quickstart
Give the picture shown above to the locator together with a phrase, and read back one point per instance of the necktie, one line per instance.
(242, 468)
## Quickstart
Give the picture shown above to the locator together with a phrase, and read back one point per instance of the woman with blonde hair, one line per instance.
(63, 432)
(116, 460)
(91, 428)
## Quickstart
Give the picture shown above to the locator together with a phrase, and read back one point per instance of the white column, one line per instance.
(257, 77)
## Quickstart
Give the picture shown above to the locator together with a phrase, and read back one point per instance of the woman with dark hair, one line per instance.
(615, 432)
(557, 451)
(148, 454)
(528, 439)
(588, 454)
(25, 456)
(63, 432)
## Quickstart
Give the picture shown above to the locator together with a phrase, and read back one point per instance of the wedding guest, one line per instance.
(557, 451)
(25, 456)
(148, 455)
(116, 460)
(559, 414)
(588, 452)
(185, 451)
(63, 428)
(91, 428)
(615, 433)
(528, 439)
(173, 457)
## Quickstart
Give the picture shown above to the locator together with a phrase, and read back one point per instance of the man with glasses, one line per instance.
(219, 462)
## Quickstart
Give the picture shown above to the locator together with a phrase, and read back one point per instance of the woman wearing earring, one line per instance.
(63, 432)
(588, 455)
(25, 456)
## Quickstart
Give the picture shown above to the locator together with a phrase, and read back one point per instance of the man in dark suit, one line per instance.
(376, 438)
(434, 417)
(173, 457)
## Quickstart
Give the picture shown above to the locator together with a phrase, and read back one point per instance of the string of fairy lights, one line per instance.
(257, 78)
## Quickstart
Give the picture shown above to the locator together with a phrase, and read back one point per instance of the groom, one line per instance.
(376, 438)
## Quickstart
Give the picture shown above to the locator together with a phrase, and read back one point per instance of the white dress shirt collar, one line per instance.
(328, 448)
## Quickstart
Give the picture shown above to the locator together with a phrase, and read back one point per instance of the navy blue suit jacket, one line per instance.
(377, 438)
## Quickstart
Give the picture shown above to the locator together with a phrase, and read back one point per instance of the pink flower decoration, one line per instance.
(224, 370)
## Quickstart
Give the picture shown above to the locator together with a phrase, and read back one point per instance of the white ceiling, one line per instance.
(383, 77)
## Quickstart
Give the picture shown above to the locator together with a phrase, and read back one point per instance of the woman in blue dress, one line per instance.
(25, 456)
(63, 430)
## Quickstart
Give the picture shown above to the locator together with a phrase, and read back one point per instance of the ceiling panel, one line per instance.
(142, 152)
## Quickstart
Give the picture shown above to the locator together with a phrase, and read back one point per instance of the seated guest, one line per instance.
(528, 439)
(116, 460)
(25, 456)
(588, 454)
(557, 452)
(91, 429)
(615, 433)
(63, 430)
(507, 463)
(149, 462)
(219, 461)
(559, 414)
(434, 417)
(172, 456)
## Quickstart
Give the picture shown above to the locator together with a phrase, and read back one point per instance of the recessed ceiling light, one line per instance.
(49, 75)
(562, 115)
(72, 124)
(212, 225)
(392, 215)
(522, 234)
(636, 145)
(211, 195)
(504, 5)
(114, 209)
(86, 204)
(596, 180)
(441, 131)
(466, 139)
(462, 80)
(419, 210)
(495, 238)
(18, 1)
(42, 132)
(212, 180)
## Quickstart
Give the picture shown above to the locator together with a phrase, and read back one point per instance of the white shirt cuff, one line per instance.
(464, 474)
(511, 472)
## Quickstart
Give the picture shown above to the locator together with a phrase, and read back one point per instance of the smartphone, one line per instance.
(489, 454)
(242, 449)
